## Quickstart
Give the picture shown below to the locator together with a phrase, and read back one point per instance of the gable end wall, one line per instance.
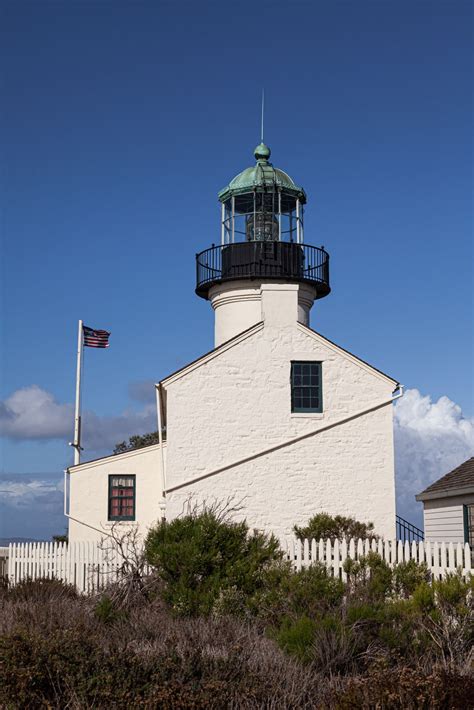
(239, 403)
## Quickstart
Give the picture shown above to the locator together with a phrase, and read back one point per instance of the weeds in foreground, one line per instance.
(224, 622)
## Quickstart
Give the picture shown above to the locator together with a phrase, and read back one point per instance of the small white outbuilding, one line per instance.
(448, 506)
(276, 418)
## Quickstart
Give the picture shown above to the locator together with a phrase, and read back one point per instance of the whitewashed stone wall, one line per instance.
(89, 493)
(239, 402)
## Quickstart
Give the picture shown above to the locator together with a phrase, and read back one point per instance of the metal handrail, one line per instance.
(289, 261)
(407, 532)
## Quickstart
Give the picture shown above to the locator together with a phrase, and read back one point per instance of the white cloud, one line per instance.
(33, 413)
(431, 438)
(31, 507)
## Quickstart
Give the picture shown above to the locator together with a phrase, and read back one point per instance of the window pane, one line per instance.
(306, 386)
(121, 497)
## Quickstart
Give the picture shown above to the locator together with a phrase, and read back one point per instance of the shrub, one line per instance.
(296, 637)
(201, 554)
(369, 577)
(406, 688)
(323, 526)
(446, 614)
(407, 576)
(40, 590)
(106, 610)
(286, 593)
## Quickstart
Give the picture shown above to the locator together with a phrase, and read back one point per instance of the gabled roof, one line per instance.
(347, 353)
(182, 371)
(114, 457)
(215, 352)
(459, 480)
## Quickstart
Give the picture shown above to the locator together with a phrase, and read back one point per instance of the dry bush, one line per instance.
(56, 653)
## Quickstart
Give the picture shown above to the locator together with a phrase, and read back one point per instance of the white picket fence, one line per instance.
(440, 557)
(83, 564)
(89, 567)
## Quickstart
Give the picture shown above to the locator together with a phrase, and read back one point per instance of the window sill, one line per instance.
(307, 415)
(111, 523)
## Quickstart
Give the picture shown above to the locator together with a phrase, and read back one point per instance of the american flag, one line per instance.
(95, 338)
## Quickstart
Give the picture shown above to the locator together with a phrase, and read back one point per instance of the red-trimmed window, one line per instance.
(122, 497)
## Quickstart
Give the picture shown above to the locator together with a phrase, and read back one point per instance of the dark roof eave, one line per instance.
(395, 382)
(227, 192)
(162, 382)
(445, 493)
(111, 456)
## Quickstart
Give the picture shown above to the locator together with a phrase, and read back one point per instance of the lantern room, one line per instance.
(262, 204)
(262, 233)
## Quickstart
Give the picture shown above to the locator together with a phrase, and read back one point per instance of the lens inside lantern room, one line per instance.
(262, 227)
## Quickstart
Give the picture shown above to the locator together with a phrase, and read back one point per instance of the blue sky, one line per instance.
(121, 121)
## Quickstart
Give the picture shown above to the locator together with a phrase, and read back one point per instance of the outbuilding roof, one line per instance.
(461, 477)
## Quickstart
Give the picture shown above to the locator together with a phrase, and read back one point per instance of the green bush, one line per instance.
(445, 613)
(286, 593)
(296, 637)
(201, 555)
(369, 577)
(107, 612)
(407, 576)
(323, 526)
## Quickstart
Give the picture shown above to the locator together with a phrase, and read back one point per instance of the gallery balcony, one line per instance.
(263, 261)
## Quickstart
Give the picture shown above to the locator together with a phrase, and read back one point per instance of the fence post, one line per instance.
(336, 559)
(343, 559)
(444, 561)
(467, 559)
(298, 555)
(321, 557)
(435, 560)
(328, 554)
(291, 550)
(451, 558)
(306, 559)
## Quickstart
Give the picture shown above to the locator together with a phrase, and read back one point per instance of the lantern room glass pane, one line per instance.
(269, 214)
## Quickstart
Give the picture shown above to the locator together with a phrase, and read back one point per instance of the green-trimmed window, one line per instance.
(469, 524)
(122, 497)
(306, 387)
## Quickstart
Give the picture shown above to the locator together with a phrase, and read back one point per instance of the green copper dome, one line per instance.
(261, 175)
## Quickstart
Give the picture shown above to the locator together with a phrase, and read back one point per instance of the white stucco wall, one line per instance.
(238, 305)
(444, 518)
(238, 403)
(88, 488)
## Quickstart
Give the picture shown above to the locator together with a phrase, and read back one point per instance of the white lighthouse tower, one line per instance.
(262, 242)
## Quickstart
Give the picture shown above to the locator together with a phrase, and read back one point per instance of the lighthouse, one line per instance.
(277, 422)
(261, 242)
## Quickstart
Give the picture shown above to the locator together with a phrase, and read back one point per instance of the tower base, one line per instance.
(238, 306)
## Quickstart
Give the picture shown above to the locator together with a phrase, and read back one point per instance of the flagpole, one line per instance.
(77, 416)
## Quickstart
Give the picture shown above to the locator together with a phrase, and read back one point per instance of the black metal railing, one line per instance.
(406, 531)
(263, 260)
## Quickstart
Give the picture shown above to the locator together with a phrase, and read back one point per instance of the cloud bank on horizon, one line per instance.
(32, 413)
(31, 507)
(431, 438)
